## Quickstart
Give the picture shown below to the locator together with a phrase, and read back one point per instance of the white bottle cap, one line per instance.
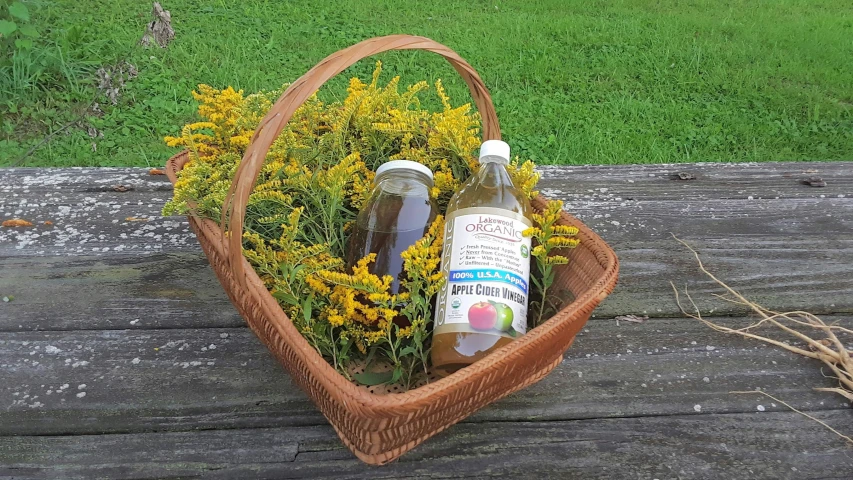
(407, 164)
(494, 148)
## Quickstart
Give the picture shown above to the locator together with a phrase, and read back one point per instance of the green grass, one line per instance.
(632, 81)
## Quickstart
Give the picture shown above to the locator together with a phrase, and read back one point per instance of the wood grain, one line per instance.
(163, 290)
(757, 445)
(121, 357)
(713, 181)
(178, 289)
(141, 380)
(622, 203)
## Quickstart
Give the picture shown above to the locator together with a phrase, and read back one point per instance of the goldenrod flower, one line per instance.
(316, 176)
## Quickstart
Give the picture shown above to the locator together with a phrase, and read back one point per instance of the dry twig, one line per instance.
(829, 349)
(845, 437)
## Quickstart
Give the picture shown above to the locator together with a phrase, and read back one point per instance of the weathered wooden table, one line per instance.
(121, 357)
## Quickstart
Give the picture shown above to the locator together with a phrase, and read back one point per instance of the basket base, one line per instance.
(393, 454)
(380, 428)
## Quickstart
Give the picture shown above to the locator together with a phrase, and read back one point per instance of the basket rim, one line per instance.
(333, 380)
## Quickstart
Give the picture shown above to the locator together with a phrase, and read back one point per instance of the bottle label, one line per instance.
(486, 261)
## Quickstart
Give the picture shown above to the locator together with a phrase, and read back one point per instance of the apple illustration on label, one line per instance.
(482, 316)
(504, 322)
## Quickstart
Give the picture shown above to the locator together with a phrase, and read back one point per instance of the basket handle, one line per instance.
(234, 210)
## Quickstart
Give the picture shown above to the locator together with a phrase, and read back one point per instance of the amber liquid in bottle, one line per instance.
(490, 187)
(398, 213)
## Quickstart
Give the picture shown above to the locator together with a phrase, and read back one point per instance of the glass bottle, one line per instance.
(483, 305)
(397, 213)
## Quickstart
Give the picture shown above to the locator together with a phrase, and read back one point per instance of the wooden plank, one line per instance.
(174, 290)
(108, 225)
(142, 380)
(78, 179)
(654, 221)
(620, 202)
(712, 181)
(781, 272)
(94, 226)
(178, 289)
(790, 253)
(801, 244)
(757, 445)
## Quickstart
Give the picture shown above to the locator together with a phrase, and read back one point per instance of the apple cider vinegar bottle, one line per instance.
(486, 260)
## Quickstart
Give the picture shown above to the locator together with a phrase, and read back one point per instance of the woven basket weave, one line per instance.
(380, 428)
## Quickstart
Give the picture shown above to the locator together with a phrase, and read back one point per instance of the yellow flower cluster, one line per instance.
(316, 176)
(359, 303)
(524, 176)
(421, 261)
(285, 264)
(548, 236)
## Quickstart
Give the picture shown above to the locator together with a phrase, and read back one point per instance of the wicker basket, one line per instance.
(380, 428)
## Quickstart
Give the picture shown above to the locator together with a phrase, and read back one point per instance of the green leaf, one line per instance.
(29, 31)
(7, 28)
(19, 10)
(345, 348)
(24, 43)
(371, 378)
(286, 298)
(398, 372)
(293, 272)
(74, 34)
(370, 355)
(536, 282)
(306, 309)
(408, 350)
(320, 330)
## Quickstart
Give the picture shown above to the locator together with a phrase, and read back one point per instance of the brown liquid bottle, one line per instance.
(486, 260)
(398, 212)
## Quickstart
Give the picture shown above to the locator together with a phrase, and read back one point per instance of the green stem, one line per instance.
(412, 364)
(391, 343)
(334, 348)
(546, 271)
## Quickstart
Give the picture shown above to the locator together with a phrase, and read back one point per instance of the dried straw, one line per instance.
(821, 338)
(845, 437)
